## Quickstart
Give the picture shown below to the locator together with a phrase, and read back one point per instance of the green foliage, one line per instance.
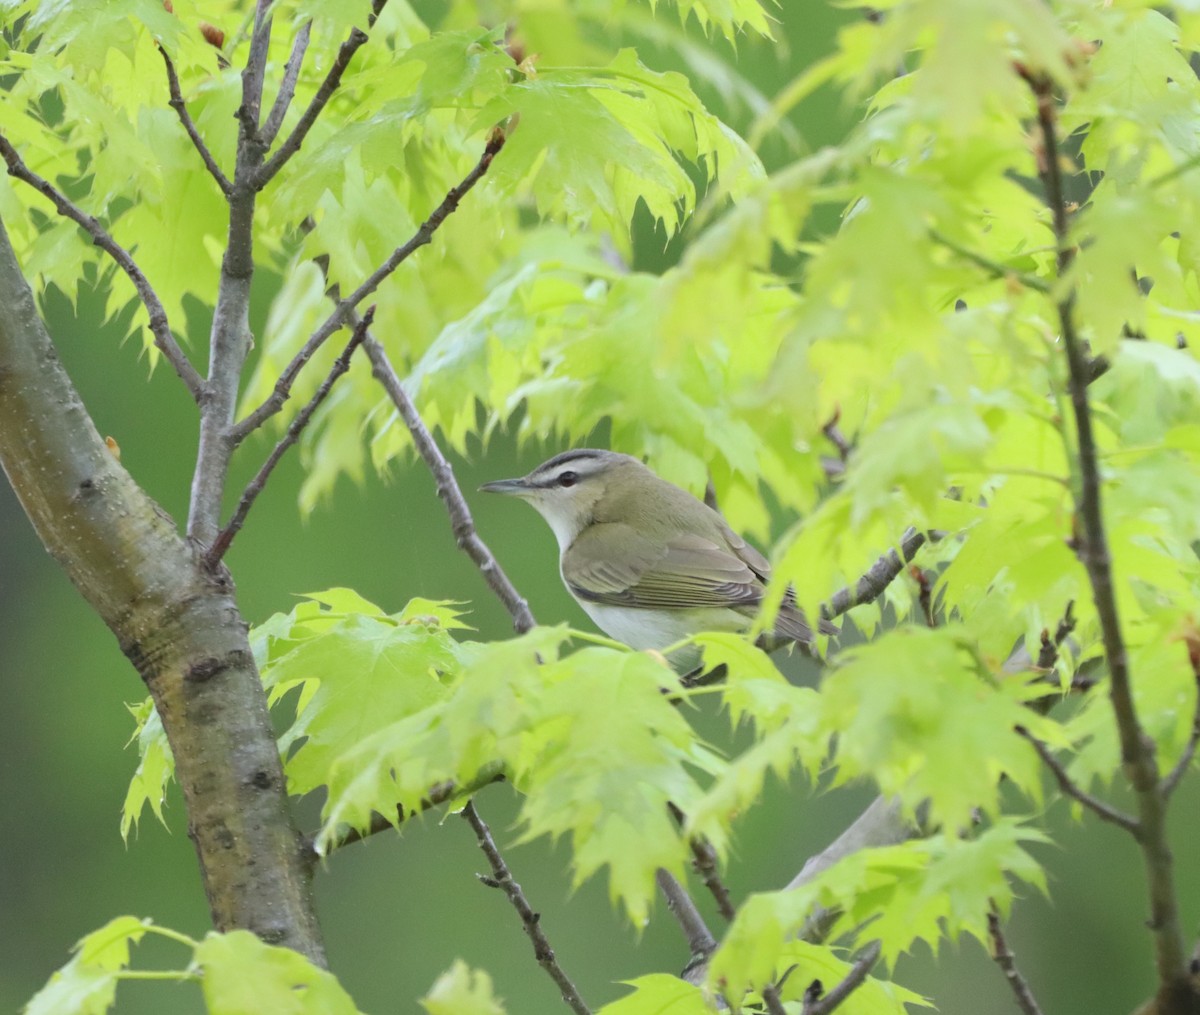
(915, 891)
(462, 991)
(238, 975)
(903, 282)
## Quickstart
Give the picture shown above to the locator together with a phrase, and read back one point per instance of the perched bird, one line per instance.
(647, 561)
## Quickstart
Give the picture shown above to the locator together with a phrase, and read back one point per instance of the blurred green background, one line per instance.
(398, 909)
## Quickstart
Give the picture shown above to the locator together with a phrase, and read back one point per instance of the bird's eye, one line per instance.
(568, 478)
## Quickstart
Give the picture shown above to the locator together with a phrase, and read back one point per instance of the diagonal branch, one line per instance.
(823, 1004)
(882, 573)
(1137, 748)
(189, 125)
(287, 87)
(448, 489)
(333, 78)
(701, 943)
(1007, 961)
(1105, 812)
(343, 311)
(502, 878)
(219, 545)
(160, 329)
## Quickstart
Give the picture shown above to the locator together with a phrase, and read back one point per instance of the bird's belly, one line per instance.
(643, 629)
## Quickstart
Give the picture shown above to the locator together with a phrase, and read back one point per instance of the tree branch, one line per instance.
(254, 76)
(448, 489)
(287, 87)
(1138, 759)
(882, 573)
(230, 339)
(823, 1004)
(1105, 812)
(189, 125)
(295, 139)
(1007, 962)
(256, 485)
(179, 626)
(164, 341)
(704, 859)
(502, 878)
(343, 312)
(701, 944)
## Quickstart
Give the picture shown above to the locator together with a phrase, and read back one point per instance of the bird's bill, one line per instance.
(512, 487)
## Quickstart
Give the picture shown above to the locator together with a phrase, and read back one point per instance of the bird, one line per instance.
(647, 561)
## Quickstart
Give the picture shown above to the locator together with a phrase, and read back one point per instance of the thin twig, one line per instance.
(772, 1000)
(253, 75)
(287, 87)
(160, 329)
(704, 859)
(189, 125)
(826, 1003)
(1105, 812)
(502, 878)
(882, 573)
(1138, 759)
(700, 941)
(342, 312)
(1007, 961)
(333, 78)
(448, 489)
(295, 428)
(833, 434)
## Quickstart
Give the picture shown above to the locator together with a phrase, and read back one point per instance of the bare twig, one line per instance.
(219, 545)
(160, 329)
(449, 491)
(882, 573)
(834, 435)
(287, 87)
(772, 1000)
(333, 78)
(700, 941)
(704, 859)
(1138, 759)
(1105, 812)
(253, 76)
(189, 125)
(1007, 962)
(502, 878)
(823, 1004)
(345, 307)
